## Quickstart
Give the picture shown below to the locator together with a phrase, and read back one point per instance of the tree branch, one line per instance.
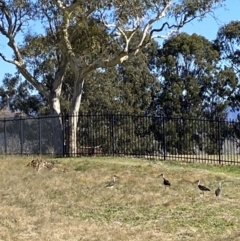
(7, 60)
(59, 75)
(72, 7)
(123, 56)
(22, 69)
(160, 15)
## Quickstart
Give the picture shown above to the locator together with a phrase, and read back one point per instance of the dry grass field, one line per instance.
(70, 201)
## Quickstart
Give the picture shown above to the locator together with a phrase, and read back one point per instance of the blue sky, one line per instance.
(208, 28)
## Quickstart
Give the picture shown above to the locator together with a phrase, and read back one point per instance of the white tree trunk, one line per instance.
(57, 142)
(74, 117)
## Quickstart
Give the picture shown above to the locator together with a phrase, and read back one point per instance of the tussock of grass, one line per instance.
(70, 202)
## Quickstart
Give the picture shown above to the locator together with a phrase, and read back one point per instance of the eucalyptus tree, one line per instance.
(193, 80)
(137, 83)
(194, 85)
(57, 20)
(115, 89)
(228, 41)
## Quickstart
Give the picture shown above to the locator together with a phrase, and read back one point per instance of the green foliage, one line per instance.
(228, 40)
(193, 84)
(17, 95)
(86, 32)
(128, 88)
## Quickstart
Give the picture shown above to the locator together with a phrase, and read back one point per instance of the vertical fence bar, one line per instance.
(66, 118)
(230, 149)
(63, 136)
(219, 142)
(236, 152)
(233, 150)
(112, 134)
(92, 128)
(202, 142)
(207, 129)
(5, 135)
(72, 150)
(164, 139)
(40, 135)
(21, 134)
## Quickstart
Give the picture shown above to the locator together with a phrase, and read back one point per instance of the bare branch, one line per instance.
(3, 31)
(160, 15)
(67, 45)
(6, 59)
(123, 56)
(9, 20)
(22, 69)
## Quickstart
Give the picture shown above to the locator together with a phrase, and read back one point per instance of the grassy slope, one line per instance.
(71, 202)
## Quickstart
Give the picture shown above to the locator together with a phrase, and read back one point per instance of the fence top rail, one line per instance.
(66, 116)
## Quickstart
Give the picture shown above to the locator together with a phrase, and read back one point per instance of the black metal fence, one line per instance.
(215, 141)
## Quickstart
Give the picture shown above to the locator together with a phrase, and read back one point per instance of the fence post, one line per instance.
(63, 136)
(5, 136)
(40, 134)
(164, 139)
(21, 134)
(112, 135)
(219, 142)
